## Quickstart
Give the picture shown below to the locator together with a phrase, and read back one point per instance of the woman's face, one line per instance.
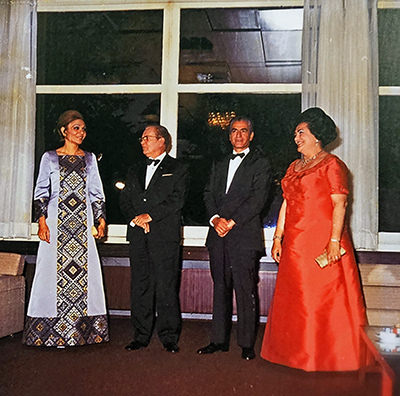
(306, 142)
(75, 132)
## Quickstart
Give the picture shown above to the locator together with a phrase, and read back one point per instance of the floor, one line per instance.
(108, 369)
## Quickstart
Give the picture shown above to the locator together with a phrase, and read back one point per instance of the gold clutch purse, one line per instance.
(322, 259)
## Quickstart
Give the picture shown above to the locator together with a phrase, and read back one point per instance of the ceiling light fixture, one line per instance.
(220, 119)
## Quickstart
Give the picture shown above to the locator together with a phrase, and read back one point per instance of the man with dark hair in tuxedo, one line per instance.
(152, 201)
(234, 197)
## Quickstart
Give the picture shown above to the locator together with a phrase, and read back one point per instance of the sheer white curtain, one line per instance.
(340, 75)
(17, 115)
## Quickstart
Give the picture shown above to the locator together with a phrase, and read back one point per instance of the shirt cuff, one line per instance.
(212, 218)
(132, 224)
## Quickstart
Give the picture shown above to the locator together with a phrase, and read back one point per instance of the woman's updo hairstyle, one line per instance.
(319, 123)
(65, 118)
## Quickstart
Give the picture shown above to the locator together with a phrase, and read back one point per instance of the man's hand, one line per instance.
(223, 226)
(143, 221)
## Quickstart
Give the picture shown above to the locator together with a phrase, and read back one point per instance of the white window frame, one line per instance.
(170, 88)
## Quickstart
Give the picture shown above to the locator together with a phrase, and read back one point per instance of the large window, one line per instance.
(389, 119)
(191, 69)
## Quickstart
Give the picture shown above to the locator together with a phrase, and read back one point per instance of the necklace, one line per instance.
(305, 161)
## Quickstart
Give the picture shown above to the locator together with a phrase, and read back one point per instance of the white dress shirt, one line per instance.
(233, 167)
(150, 170)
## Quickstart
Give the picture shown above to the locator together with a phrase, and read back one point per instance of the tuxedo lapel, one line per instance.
(141, 174)
(161, 169)
(223, 175)
(240, 172)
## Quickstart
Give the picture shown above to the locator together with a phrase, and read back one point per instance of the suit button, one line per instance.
(144, 199)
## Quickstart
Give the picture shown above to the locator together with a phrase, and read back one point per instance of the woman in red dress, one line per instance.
(314, 319)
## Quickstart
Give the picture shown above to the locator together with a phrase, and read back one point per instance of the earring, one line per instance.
(316, 141)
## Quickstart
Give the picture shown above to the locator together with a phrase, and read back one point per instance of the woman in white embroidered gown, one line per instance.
(67, 303)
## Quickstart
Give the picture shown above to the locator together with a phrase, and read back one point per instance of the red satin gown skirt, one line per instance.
(316, 314)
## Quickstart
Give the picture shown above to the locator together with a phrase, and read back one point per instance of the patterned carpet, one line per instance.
(107, 369)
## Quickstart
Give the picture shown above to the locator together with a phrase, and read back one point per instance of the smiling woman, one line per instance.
(74, 134)
(324, 306)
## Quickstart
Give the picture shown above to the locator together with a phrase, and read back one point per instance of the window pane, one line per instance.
(114, 123)
(389, 48)
(99, 47)
(389, 163)
(241, 45)
(200, 141)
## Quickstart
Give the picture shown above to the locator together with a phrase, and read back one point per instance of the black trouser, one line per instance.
(155, 275)
(234, 269)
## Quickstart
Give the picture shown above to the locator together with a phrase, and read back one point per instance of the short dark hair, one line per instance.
(241, 118)
(65, 118)
(162, 131)
(319, 123)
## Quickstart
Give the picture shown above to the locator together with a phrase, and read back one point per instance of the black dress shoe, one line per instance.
(135, 345)
(171, 347)
(211, 348)
(248, 353)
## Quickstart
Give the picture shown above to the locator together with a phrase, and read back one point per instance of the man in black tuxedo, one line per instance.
(152, 201)
(234, 198)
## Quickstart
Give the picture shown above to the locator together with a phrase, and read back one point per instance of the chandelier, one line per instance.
(220, 119)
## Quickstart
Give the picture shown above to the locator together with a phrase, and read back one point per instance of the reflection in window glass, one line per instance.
(201, 140)
(114, 124)
(99, 47)
(389, 49)
(389, 163)
(241, 45)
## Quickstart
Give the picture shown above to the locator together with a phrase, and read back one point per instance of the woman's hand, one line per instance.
(333, 251)
(44, 231)
(276, 250)
(101, 229)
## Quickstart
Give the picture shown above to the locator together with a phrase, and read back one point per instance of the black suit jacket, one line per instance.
(243, 202)
(162, 200)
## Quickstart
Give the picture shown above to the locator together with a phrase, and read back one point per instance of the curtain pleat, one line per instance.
(17, 115)
(340, 75)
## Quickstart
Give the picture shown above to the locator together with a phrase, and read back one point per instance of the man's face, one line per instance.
(152, 144)
(240, 136)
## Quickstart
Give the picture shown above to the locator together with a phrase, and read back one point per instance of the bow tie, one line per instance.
(150, 161)
(233, 156)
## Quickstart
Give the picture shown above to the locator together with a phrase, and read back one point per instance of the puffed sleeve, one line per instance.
(337, 176)
(41, 194)
(96, 193)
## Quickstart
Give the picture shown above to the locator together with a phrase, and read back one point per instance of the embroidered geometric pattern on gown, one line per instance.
(72, 326)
